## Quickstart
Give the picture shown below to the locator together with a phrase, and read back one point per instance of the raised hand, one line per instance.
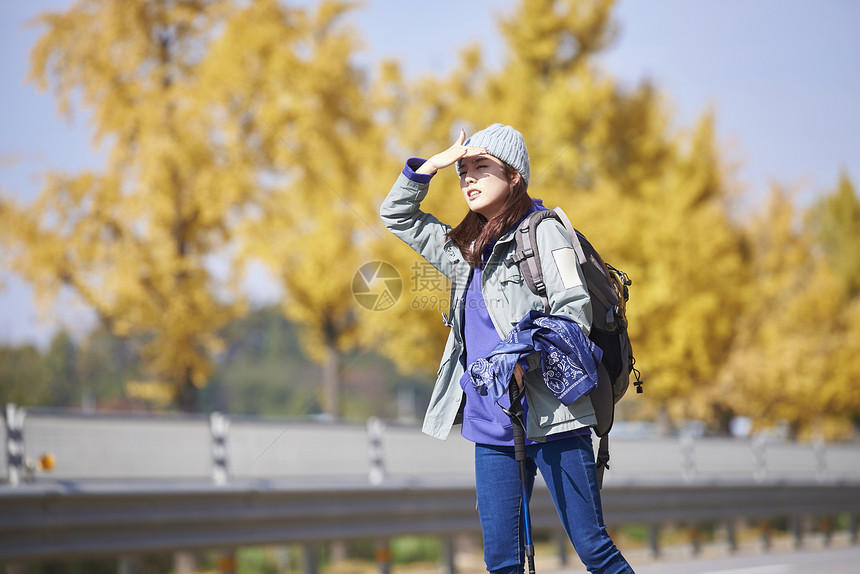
(451, 155)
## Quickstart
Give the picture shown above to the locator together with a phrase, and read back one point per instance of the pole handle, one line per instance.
(517, 425)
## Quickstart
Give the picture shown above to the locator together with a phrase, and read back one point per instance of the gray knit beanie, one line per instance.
(506, 144)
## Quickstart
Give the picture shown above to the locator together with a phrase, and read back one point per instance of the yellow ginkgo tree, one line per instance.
(795, 359)
(133, 240)
(308, 118)
(212, 114)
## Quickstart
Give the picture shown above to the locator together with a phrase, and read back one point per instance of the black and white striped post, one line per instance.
(688, 457)
(759, 451)
(820, 449)
(14, 443)
(218, 425)
(375, 427)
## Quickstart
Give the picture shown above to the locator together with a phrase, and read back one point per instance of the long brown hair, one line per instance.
(474, 233)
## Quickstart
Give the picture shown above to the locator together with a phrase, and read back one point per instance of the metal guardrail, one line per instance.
(71, 519)
(147, 446)
(130, 484)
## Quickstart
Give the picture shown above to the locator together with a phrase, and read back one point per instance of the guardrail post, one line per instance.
(128, 564)
(218, 425)
(185, 562)
(826, 525)
(375, 428)
(448, 555)
(282, 559)
(14, 443)
(382, 555)
(764, 535)
(732, 536)
(310, 564)
(654, 540)
(694, 535)
(561, 543)
(797, 532)
(852, 528)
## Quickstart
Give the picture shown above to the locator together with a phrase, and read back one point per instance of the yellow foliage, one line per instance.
(301, 109)
(136, 240)
(157, 393)
(796, 356)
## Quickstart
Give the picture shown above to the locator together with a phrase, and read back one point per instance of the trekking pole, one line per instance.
(519, 431)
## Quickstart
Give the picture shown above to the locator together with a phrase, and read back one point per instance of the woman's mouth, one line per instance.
(472, 193)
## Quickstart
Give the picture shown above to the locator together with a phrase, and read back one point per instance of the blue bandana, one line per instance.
(569, 359)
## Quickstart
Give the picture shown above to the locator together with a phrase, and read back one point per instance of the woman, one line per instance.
(489, 299)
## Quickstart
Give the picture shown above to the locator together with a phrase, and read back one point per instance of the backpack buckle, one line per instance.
(515, 257)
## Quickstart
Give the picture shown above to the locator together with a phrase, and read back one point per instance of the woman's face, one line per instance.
(484, 184)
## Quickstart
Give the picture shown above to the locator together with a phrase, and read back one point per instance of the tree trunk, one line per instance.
(186, 396)
(332, 382)
(665, 427)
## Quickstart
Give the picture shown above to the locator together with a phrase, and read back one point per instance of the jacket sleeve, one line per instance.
(564, 279)
(421, 231)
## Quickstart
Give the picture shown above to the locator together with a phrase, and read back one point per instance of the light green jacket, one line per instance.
(508, 300)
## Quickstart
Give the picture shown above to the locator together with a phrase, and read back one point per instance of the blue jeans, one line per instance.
(567, 466)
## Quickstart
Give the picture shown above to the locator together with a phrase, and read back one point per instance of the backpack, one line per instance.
(608, 289)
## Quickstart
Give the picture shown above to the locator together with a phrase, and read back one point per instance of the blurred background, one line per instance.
(188, 191)
(189, 198)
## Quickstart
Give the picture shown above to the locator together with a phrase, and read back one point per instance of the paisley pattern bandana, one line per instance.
(569, 359)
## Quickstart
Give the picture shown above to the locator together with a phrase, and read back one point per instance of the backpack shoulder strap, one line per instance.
(572, 233)
(527, 256)
(602, 459)
(577, 239)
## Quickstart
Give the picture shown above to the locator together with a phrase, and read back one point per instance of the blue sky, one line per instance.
(781, 75)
